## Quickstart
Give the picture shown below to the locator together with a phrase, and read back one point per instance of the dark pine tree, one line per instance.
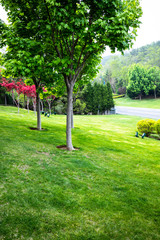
(108, 99)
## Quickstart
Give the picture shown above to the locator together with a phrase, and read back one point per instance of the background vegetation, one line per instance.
(115, 68)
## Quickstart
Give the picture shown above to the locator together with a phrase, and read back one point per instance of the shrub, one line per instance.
(146, 126)
(157, 127)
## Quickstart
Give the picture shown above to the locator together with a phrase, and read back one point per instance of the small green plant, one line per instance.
(157, 127)
(146, 126)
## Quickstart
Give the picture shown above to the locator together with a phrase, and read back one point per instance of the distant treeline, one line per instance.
(117, 69)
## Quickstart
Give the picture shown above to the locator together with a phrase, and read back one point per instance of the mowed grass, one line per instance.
(108, 189)
(144, 103)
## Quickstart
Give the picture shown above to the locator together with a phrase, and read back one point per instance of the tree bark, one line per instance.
(69, 118)
(5, 99)
(28, 104)
(18, 103)
(38, 112)
(14, 102)
(155, 96)
(49, 104)
(34, 105)
(72, 122)
(24, 101)
(41, 101)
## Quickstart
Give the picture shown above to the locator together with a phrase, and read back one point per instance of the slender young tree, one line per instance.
(30, 93)
(78, 31)
(19, 89)
(27, 56)
(48, 96)
(9, 87)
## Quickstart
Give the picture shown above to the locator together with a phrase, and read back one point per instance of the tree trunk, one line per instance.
(69, 118)
(5, 99)
(72, 122)
(28, 104)
(41, 101)
(34, 105)
(49, 104)
(18, 103)
(38, 112)
(155, 93)
(24, 101)
(12, 98)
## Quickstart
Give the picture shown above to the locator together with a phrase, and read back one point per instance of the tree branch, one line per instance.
(66, 81)
(81, 54)
(80, 68)
(65, 41)
(53, 39)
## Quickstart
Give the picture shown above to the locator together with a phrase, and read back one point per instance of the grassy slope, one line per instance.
(109, 189)
(144, 103)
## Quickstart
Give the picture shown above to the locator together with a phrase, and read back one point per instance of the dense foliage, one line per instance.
(146, 126)
(98, 98)
(142, 81)
(157, 127)
(19, 91)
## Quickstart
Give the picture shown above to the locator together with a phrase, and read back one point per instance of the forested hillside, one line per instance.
(116, 68)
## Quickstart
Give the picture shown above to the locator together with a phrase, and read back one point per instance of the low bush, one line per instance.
(146, 126)
(157, 127)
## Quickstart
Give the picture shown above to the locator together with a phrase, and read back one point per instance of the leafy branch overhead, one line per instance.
(78, 29)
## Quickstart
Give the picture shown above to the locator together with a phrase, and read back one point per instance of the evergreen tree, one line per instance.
(98, 98)
(109, 103)
(88, 97)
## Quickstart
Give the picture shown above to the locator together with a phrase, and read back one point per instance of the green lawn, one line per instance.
(109, 189)
(144, 103)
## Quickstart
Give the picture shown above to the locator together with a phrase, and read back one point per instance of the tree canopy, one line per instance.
(142, 81)
(71, 34)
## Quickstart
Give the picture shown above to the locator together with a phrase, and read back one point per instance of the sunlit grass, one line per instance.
(109, 189)
(144, 103)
